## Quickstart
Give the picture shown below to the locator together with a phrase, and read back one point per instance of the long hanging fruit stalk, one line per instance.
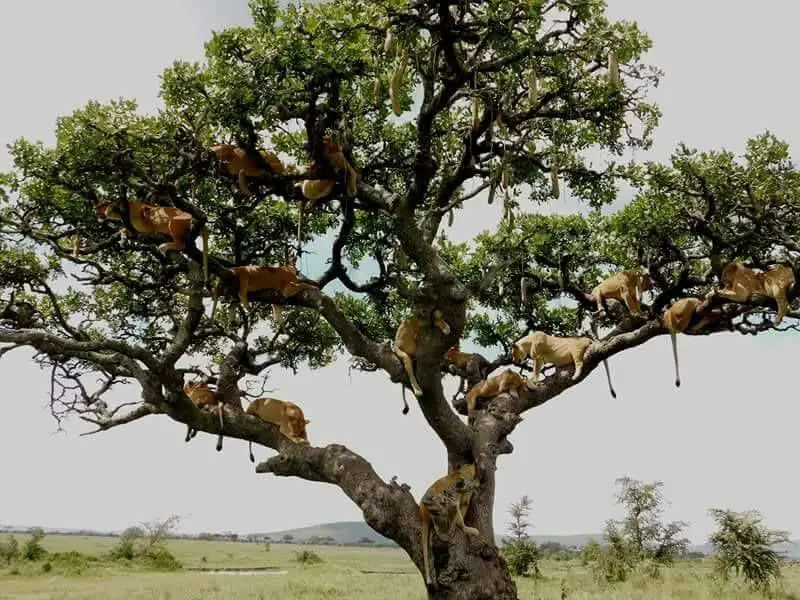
(613, 69)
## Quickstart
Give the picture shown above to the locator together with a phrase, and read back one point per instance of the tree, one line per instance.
(518, 527)
(550, 115)
(742, 543)
(641, 531)
(157, 532)
(126, 547)
(520, 552)
(32, 549)
(9, 549)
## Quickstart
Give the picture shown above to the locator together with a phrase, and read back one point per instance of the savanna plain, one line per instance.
(75, 568)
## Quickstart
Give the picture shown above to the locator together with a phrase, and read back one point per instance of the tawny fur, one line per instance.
(677, 319)
(466, 362)
(204, 398)
(405, 347)
(741, 284)
(543, 348)
(149, 219)
(316, 189)
(443, 506)
(505, 382)
(626, 286)
(286, 415)
(253, 278)
(242, 166)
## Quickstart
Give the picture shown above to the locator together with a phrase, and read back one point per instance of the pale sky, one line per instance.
(729, 76)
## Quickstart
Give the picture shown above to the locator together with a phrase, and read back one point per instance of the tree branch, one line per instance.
(388, 508)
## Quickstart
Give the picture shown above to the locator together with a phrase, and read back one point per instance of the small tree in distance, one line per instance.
(743, 544)
(642, 530)
(519, 513)
(9, 550)
(32, 549)
(640, 535)
(520, 552)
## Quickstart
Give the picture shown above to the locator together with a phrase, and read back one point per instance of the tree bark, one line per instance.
(471, 569)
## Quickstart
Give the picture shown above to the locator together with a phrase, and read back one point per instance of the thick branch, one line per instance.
(388, 508)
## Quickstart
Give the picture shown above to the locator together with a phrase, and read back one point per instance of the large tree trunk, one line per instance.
(470, 571)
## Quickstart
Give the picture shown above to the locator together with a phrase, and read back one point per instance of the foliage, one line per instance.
(743, 544)
(640, 540)
(9, 549)
(518, 526)
(559, 552)
(32, 549)
(307, 557)
(71, 563)
(126, 547)
(147, 545)
(520, 552)
(612, 562)
(522, 557)
(642, 530)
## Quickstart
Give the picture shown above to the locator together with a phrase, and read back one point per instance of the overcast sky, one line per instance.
(727, 438)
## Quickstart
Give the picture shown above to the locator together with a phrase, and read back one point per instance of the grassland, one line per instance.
(340, 575)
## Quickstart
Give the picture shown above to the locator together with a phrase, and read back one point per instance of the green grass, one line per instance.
(339, 576)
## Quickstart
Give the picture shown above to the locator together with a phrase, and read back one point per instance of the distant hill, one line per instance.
(350, 532)
(344, 532)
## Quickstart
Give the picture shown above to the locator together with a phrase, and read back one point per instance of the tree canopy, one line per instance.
(517, 103)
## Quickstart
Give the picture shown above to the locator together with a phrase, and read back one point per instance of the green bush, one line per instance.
(33, 550)
(9, 550)
(522, 557)
(590, 552)
(613, 562)
(744, 545)
(124, 550)
(159, 558)
(72, 563)
(307, 557)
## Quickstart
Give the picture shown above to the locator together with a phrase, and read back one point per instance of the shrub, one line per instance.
(160, 558)
(9, 550)
(33, 550)
(126, 547)
(520, 552)
(613, 562)
(307, 557)
(522, 557)
(590, 552)
(743, 544)
(147, 546)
